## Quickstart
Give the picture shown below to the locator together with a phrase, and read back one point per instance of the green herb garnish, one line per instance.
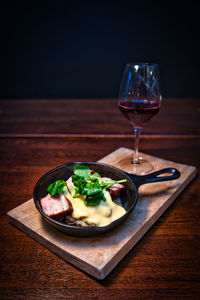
(83, 171)
(56, 188)
(91, 186)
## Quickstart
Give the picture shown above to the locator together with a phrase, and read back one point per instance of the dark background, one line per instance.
(78, 49)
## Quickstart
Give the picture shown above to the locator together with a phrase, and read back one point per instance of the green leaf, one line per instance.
(92, 202)
(90, 186)
(95, 176)
(79, 183)
(82, 171)
(107, 182)
(56, 188)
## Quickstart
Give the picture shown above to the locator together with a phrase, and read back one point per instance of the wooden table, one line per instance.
(37, 135)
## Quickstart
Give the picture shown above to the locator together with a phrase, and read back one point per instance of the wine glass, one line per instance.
(139, 100)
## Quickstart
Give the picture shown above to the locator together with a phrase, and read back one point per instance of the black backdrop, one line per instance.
(78, 49)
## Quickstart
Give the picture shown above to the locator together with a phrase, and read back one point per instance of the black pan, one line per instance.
(128, 197)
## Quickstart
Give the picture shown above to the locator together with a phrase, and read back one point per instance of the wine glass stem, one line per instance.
(137, 137)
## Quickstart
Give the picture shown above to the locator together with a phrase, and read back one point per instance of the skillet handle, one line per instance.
(154, 177)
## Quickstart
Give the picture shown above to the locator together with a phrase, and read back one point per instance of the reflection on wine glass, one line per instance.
(139, 100)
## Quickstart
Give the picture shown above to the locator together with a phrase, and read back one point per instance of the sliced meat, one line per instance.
(56, 207)
(115, 189)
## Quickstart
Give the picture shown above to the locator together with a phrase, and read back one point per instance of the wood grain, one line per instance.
(100, 116)
(99, 255)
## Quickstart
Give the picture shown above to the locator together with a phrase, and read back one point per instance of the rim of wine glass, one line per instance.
(142, 63)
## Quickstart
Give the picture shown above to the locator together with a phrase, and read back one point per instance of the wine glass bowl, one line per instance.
(139, 100)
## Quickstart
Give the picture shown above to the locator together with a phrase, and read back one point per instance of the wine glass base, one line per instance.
(142, 168)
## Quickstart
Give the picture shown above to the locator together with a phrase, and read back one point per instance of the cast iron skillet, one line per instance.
(128, 197)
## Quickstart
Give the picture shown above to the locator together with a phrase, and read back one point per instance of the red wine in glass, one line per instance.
(139, 111)
(139, 100)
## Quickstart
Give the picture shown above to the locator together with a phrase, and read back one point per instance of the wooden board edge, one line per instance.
(109, 266)
(12, 211)
(69, 258)
(111, 154)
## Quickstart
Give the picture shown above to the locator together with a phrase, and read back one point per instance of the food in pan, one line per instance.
(85, 199)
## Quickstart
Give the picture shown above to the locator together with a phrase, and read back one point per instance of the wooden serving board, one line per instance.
(99, 255)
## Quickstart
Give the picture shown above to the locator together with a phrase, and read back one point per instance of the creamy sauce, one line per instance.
(100, 215)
